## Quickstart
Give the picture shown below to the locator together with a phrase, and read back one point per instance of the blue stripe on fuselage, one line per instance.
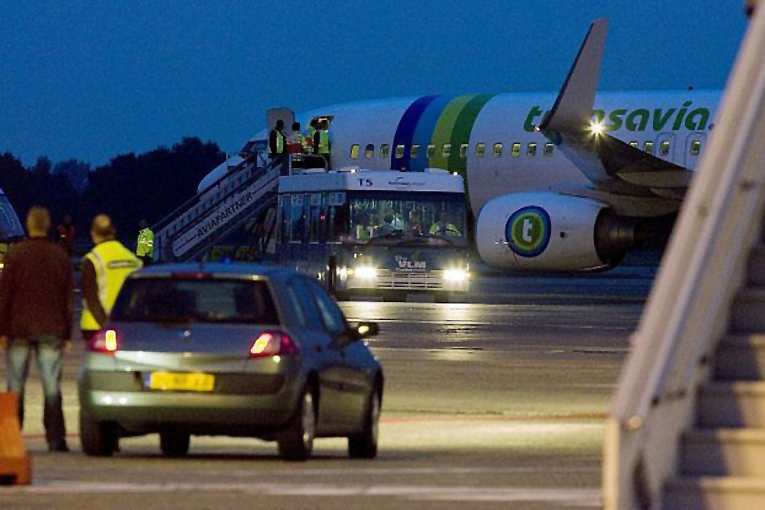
(423, 134)
(405, 131)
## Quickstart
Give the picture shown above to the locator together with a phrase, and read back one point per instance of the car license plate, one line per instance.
(186, 382)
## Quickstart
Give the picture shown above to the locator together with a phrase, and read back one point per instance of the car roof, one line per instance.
(233, 269)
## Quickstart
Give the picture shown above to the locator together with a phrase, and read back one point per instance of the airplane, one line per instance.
(571, 182)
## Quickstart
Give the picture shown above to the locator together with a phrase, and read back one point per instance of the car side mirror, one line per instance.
(362, 330)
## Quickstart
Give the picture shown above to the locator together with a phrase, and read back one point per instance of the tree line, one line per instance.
(129, 188)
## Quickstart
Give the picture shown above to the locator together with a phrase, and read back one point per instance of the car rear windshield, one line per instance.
(195, 300)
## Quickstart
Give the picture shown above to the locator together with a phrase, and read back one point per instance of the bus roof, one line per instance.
(372, 180)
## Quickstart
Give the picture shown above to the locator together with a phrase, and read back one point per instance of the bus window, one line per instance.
(480, 149)
(446, 150)
(399, 151)
(463, 151)
(648, 147)
(497, 150)
(515, 150)
(314, 216)
(385, 150)
(431, 150)
(415, 152)
(369, 151)
(531, 151)
(285, 206)
(297, 219)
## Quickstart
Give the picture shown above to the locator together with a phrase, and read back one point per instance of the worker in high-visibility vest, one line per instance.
(104, 269)
(321, 144)
(145, 246)
(276, 140)
(308, 137)
(295, 146)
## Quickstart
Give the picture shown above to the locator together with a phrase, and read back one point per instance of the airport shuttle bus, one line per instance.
(10, 227)
(384, 233)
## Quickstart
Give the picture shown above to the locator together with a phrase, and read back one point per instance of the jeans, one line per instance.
(50, 357)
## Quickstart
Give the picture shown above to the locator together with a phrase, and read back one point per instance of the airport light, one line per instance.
(365, 272)
(456, 275)
(597, 128)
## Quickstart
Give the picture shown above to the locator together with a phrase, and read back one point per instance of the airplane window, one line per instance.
(384, 150)
(463, 151)
(549, 148)
(415, 152)
(664, 148)
(480, 149)
(532, 150)
(515, 151)
(369, 151)
(695, 147)
(355, 151)
(634, 144)
(446, 151)
(648, 147)
(497, 150)
(431, 150)
(399, 151)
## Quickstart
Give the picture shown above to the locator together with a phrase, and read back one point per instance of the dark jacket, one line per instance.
(36, 291)
(272, 142)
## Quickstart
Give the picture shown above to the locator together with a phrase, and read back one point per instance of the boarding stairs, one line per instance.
(687, 425)
(243, 199)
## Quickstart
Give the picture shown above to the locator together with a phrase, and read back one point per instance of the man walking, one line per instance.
(145, 246)
(36, 315)
(104, 270)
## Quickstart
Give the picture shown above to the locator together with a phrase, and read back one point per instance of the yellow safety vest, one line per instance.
(279, 144)
(113, 263)
(323, 142)
(145, 246)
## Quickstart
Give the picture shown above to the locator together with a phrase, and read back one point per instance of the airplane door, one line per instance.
(693, 147)
(283, 113)
(665, 146)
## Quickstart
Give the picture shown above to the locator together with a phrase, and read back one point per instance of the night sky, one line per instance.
(93, 79)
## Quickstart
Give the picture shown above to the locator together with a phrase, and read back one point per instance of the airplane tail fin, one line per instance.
(573, 107)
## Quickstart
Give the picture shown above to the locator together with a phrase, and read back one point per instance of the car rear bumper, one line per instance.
(121, 398)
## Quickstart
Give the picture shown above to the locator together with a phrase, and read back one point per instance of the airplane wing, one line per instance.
(610, 164)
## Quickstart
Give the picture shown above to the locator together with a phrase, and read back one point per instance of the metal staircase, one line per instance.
(687, 424)
(240, 202)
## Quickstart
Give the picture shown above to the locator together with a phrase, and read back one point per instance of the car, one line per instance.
(229, 349)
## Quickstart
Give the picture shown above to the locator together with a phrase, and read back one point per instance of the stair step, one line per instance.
(731, 405)
(748, 311)
(756, 269)
(741, 357)
(724, 452)
(714, 493)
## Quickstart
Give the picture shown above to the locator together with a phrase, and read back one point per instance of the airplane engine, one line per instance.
(545, 231)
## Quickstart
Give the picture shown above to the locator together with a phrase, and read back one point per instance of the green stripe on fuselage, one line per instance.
(442, 134)
(463, 127)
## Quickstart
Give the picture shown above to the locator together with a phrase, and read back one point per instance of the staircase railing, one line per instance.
(688, 309)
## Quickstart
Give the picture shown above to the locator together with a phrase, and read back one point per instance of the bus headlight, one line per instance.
(456, 275)
(365, 272)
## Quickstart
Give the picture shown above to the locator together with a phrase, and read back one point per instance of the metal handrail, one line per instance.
(688, 309)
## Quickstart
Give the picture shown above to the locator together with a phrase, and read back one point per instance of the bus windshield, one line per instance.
(395, 217)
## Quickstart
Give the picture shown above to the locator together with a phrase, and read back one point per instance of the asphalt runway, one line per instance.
(494, 403)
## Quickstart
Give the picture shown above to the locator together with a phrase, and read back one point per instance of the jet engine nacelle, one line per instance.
(545, 231)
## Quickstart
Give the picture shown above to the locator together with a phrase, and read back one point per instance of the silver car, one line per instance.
(229, 349)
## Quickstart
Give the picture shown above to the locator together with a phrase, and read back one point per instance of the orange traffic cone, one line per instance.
(15, 464)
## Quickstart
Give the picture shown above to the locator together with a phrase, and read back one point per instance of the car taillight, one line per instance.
(104, 342)
(272, 343)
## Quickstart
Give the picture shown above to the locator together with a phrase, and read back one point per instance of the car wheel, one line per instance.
(174, 443)
(296, 441)
(98, 439)
(364, 445)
